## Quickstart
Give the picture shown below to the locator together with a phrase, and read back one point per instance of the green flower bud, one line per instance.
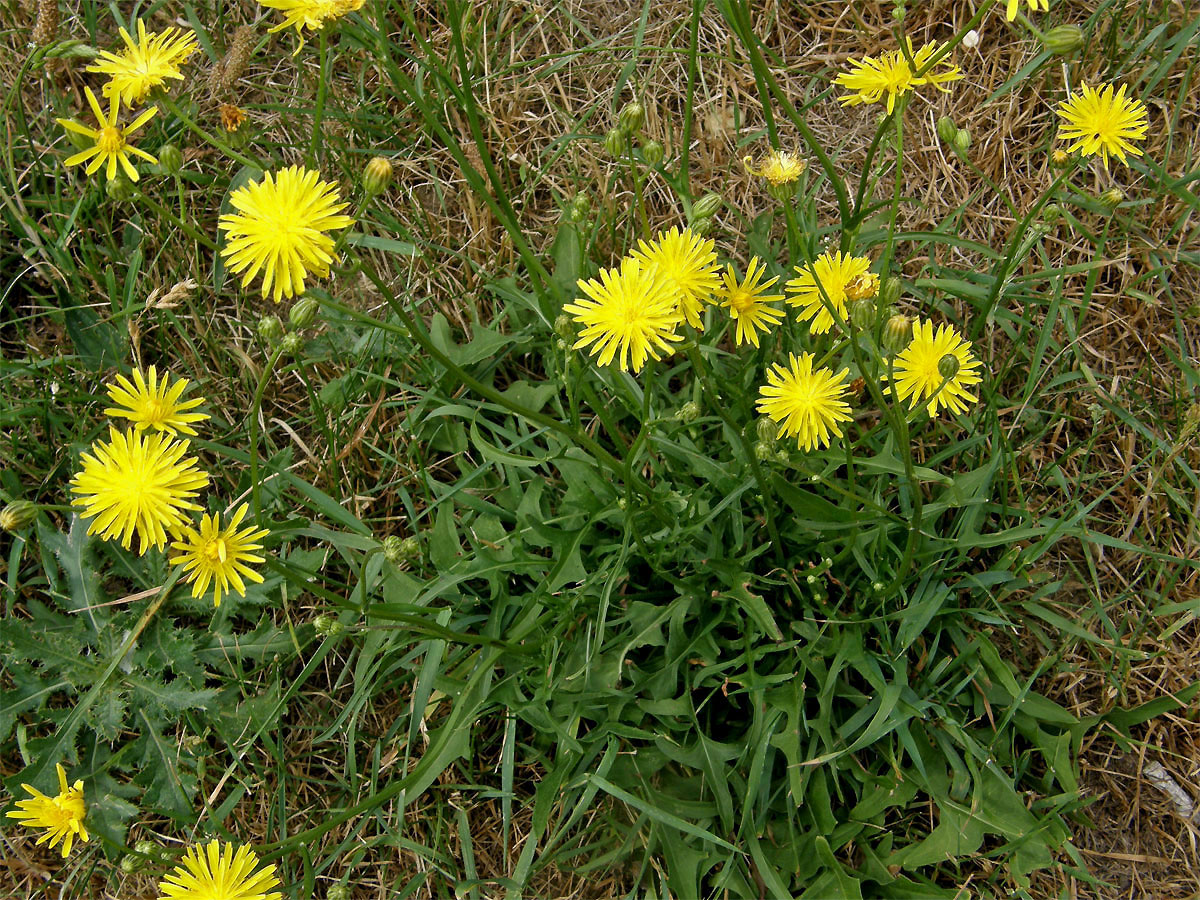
(292, 343)
(701, 227)
(130, 863)
(397, 550)
(946, 129)
(767, 430)
(119, 189)
(707, 206)
(377, 175)
(581, 206)
(652, 152)
(765, 451)
(863, 312)
(614, 142)
(17, 515)
(897, 333)
(1063, 39)
(688, 413)
(1112, 198)
(338, 892)
(391, 549)
(148, 847)
(270, 330)
(1052, 212)
(328, 626)
(889, 291)
(564, 327)
(170, 158)
(962, 141)
(304, 312)
(948, 366)
(631, 117)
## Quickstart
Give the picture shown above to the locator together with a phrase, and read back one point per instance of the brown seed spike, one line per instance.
(45, 29)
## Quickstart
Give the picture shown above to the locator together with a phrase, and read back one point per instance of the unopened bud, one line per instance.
(327, 626)
(897, 333)
(889, 291)
(377, 175)
(170, 157)
(581, 206)
(708, 205)
(962, 140)
(292, 343)
(701, 227)
(614, 142)
(767, 430)
(17, 515)
(130, 863)
(303, 312)
(564, 327)
(948, 366)
(1063, 39)
(338, 892)
(119, 188)
(689, 412)
(1051, 212)
(946, 129)
(899, 12)
(270, 330)
(652, 152)
(765, 451)
(1112, 197)
(631, 117)
(1059, 157)
(397, 550)
(862, 312)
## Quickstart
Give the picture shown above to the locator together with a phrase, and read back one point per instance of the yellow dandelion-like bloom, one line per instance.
(137, 482)
(688, 264)
(923, 371)
(750, 307)
(61, 816)
(891, 74)
(804, 402)
(220, 873)
(150, 403)
(779, 167)
(280, 227)
(144, 64)
(840, 275)
(630, 313)
(219, 555)
(232, 116)
(1104, 122)
(1035, 5)
(310, 14)
(112, 143)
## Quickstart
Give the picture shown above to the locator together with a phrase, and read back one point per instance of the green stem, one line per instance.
(914, 489)
(886, 262)
(314, 149)
(638, 199)
(172, 107)
(190, 230)
(255, 407)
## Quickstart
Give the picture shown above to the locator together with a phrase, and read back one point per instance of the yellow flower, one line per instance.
(218, 555)
(630, 313)
(232, 117)
(1103, 121)
(840, 275)
(219, 873)
(310, 14)
(1034, 5)
(149, 403)
(688, 264)
(112, 145)
(779, 167)
(892, 74)
(804, 402)
(145, 64)
(137, 482)
(280, 229)
(937, 366)
(61, 816)
(750, 308)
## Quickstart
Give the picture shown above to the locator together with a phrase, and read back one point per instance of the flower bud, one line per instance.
(564, 327)
(889, 291)
(130, 863)
(652, 152)
(292, 343)
(948, 366)
(119, 189)
(962, 141)
(863, 287)
(270, 330)
(17, 515)
(688, 413)
(899, 11)
(631, 117)
(862, 312)
(706, 206)
(1051, 212)
(765, 451)
(614, 142)
(338, 892)
(767, 430)
(1112, 197)
(701, 227)
(377, 175)
(397, 550)
(897, 333)
(581, 206)
(327, 626)
(1059, 157)
(946, 129)
(170, 158)
(304, 312)
(1063, 39)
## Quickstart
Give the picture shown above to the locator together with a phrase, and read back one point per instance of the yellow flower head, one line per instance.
(310, 14)
(144, 64)
(750, 307)
(1103, 122)
(938, 367)
(154, 404)
(232, 116)
(280, 227)
(219, 873)
(112, 145)
(779, 167)
(892, 74)
(841, 275)
(137, 482)
(629, 313)
(218, 555)
(688, 264)
(1035, 5)
(805, 403)
(61, 816)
